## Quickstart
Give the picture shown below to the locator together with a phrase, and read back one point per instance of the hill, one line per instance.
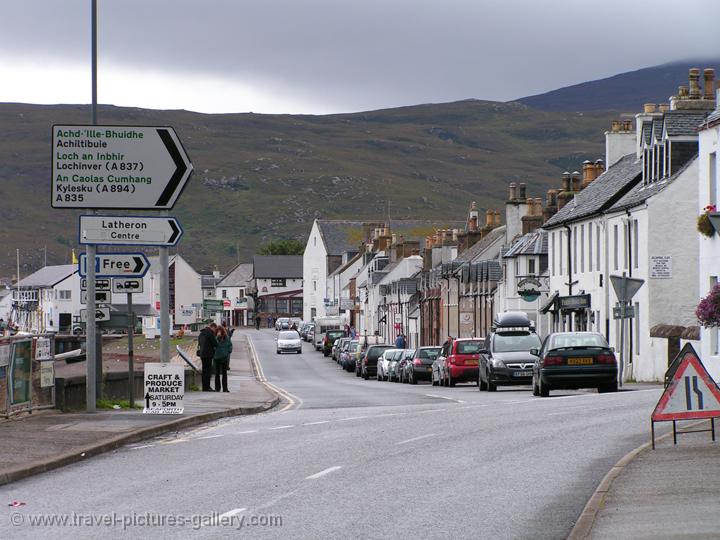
(259, 177)
(624, 92)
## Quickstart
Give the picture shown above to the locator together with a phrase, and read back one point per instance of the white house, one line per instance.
(186, 295)
(236, 289)
(279, 283)
(48, 300)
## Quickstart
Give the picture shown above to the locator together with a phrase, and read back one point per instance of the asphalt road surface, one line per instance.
(348, 458)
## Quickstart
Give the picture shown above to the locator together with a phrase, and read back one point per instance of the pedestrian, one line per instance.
(207, 342)
(270, 321)
(294, 326)
(353, 332)
(346, 330)
(257, 322)
(221, 359)
(400, 341)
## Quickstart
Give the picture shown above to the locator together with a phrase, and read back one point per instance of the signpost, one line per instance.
(116, 265)
(164, 388)
(625, 288)
(127, 167)
(124, 285)
(691, 395)
(129, 230)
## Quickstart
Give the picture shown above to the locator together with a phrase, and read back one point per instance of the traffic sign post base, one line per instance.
(677, 432)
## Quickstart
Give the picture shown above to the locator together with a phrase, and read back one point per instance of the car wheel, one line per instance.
(411, 378)
(365, 375)
(544, 391)
(277, 352)
(491, 386)
(299, 351)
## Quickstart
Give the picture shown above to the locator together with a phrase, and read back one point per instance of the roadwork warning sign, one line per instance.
(164, 388)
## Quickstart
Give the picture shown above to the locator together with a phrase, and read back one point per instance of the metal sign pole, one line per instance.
(131, 352)
(90, 329)
(164, 304)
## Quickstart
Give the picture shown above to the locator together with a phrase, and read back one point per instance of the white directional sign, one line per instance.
(102, 313)
(138, 167)
(129, 230)
(116, 265)
(125, 285)
(164, 388)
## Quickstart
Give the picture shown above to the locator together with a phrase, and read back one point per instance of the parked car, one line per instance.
(303, 331)
(384, 362)
(320, 326)
(505, 358)
(367, 365)
(329, 340)
(348, 357)
(337, 346)
(572, 360)
(282, 323)
(288, 341)
(457, 362)
(419, 367)
(392, 370)
(406, 357)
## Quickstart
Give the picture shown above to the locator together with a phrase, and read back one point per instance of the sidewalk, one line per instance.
(47, 440)
(670, 492)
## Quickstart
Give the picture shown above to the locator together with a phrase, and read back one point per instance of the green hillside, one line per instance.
(259, 177)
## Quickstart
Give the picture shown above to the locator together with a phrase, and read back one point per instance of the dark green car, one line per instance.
(329, 340)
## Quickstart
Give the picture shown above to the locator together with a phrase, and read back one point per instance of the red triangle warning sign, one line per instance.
(691, 393)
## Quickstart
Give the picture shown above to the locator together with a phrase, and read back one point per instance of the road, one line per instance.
(347, 458)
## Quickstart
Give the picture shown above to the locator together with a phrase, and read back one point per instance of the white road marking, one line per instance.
(143, 446)
(390, 414)
(293, 400)
(352, 418)
(416, 439)
(316, 423)
(283, 427)
(175, 441)
(430, 410)
(246, 432)
(445, 397)
(323, 473)
(211, 436)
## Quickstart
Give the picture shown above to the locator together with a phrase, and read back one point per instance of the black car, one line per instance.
(572, 360)
(329, 340)
(505, 358)
(367, 362)
(419, 367)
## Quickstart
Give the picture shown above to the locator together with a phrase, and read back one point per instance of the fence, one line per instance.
(27, 373)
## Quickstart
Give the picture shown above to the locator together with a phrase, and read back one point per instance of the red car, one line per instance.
(458, 362)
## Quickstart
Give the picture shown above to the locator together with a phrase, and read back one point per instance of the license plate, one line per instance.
(471, 362)
(525, 373)
(579, 361)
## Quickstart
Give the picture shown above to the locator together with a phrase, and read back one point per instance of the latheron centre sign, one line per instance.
(129, 167)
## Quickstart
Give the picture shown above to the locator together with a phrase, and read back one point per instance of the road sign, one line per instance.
(398, 318)
(139, 167)
(100, 284)
(164, 388)
(125, 285)
(116, 265)
(625, 287)
(628, 314)
(101, 297)
(129, 230)
(102, 313)
(212, 305)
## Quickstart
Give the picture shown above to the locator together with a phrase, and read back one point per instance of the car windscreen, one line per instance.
(375, 352)
(289, 335)
(515, 342)
(468, 347)
(429, 353)
(353, 346)
(562, 341)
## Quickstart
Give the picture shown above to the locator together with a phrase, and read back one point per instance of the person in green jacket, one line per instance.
(221, 359)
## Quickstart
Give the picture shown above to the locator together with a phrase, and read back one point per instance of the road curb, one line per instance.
(584, 524)
(95, 449)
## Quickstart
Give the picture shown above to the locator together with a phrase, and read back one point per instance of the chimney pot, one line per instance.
(663, 107)
(522, 191)
(709, 75)
(566, 181)
(615, 126)
(576, 181)
(512, 191)
(489, 218)
(682, 92)
(694, 82)
(496, 220)
(649, 108)
(627, 125)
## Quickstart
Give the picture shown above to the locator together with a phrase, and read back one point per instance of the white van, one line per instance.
(322, 325)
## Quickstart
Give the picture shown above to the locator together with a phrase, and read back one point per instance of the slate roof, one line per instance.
(48, 276)
(602, 193)
(534, 243)
(209, 281)
(477, 249)
(683, 123)
(712, 119)
(657, 129)
(646, 132)
(240, 276)
(641, 192)
(278, 266)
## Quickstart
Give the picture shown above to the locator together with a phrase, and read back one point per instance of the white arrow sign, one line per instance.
(130, 230)
(117, 167)
(116, 265)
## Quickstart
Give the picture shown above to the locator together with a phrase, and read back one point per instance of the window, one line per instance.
(590, 251)
(517, 267)
(636, 244)
(277, 282)
(224, 293)
(314, 285)
(597, 250)
(626, 224)
(582, 248)
(615, 242)
(64, 295)
(282, 305)
(314, 240)
(531, 267)
(560, 251)
(712, 179)
(637, 328)
(575, 257)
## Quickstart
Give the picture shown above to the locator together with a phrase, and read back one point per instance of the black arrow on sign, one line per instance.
(181, 167)
(147, 400)
(139, 265)
(176, 231)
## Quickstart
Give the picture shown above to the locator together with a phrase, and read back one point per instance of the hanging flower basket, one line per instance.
(704, 226)
(708, 310)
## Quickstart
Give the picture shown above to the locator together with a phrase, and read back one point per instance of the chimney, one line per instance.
(599, 168)
(576, 182)
(566, 181)
(496, 219)
(489, 219)
(649, 108)
(565, 193)
(709, 75)
(512, 191)
(534, 218)
(473, 217)
(694, 82)
(522, 189)
(588, 170)
(663, 108)
(615, 126)
(550, 204)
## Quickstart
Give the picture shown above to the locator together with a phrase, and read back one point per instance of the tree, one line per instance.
(282, 247)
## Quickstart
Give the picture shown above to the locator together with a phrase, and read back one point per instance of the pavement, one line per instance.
(36, 443)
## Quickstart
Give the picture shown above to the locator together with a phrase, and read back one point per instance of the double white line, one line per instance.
(293, 400)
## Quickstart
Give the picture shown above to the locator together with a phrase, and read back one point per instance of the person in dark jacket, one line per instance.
(221, 359)
(206, 351)
(400, 341)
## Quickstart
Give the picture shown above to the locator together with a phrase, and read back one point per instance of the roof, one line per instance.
(683, 123)
(240, 276)
(278, 266)
(534, 243)
(48, 276)
(347, 265)
(712, 119)
(642, 192)
(209, 281)
(477, 249)
(604, 191)
(657, 129)
(646, 132)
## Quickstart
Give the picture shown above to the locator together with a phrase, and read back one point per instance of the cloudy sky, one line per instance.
(322, 56)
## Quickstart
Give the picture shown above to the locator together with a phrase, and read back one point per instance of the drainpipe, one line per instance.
(458, 305)
(569, 265)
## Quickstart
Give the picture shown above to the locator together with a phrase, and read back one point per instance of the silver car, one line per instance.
(289, 341)
(384, 362)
